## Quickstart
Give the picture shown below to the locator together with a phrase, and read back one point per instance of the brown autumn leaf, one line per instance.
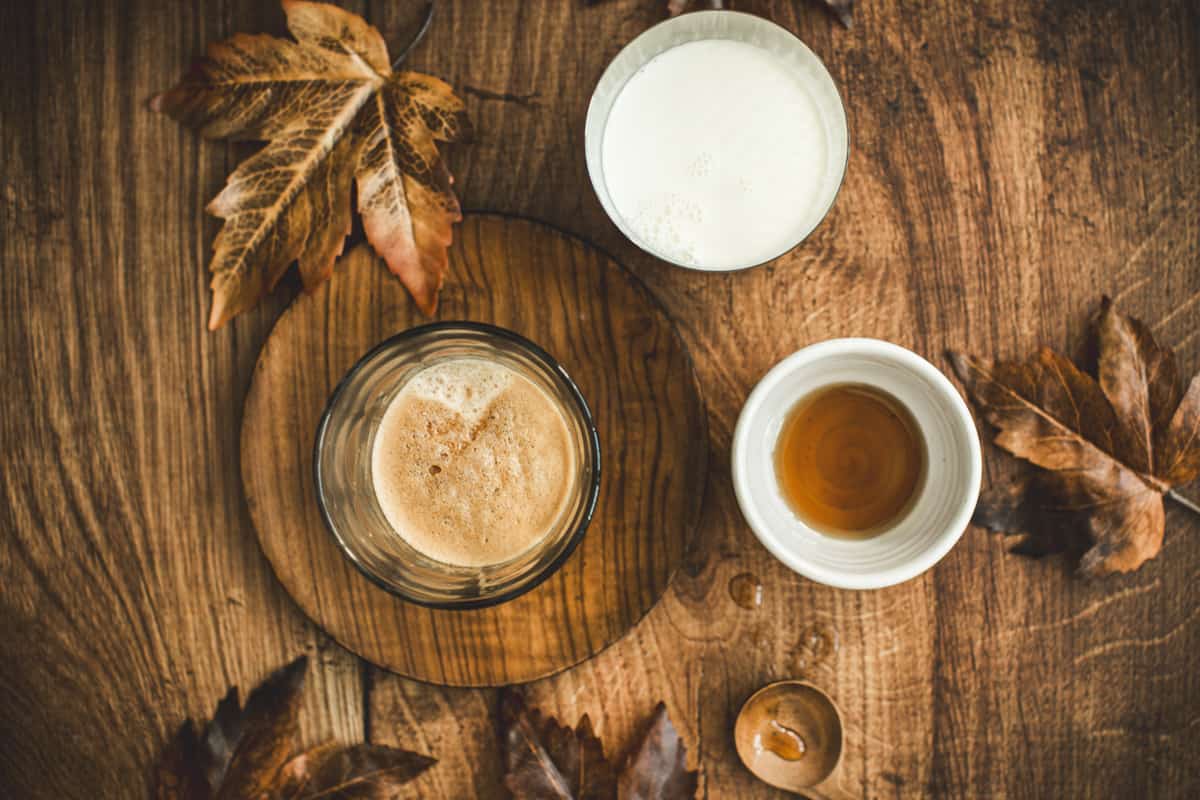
(544, 759)
(657, 768)
(332, 112)
(842, 9)
(244, 753)
(359, 772)
(1108, 449)
(178, 775)
(241, 749)
(1029, 504)
(259, 740)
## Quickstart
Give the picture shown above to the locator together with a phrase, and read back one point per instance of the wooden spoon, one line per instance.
(789, 734)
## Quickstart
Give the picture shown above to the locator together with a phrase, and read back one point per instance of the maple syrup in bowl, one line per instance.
(789, 734)
(850, 460)
(856, 463)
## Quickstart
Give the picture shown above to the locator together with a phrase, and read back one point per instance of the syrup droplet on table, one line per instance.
(817, 644)
(746, 590)
(781, 741)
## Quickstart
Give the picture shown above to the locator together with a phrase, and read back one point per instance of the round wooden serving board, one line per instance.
(619, 346)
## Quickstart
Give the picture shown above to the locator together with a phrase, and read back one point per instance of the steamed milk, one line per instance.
(473, 463)
(716, 155)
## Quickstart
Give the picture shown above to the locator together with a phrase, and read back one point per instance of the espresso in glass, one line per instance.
(457, 465)
(472, 463)
(850, 460)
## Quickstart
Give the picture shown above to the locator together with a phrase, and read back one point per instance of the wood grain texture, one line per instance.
(131, 591)
(620, 349)
(1010, 161)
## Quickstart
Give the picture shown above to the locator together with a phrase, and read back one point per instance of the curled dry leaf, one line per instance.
(1109, 447)
(333, 113)
(359, 772)
(1030, 504)
(657, 767)
(261, 737)
(544, 759)
(241, 749)
(179, 775)
(243, 752)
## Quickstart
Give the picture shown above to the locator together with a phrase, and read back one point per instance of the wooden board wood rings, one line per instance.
(603, 326)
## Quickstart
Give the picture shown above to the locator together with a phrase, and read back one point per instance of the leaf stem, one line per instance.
(1186, 502)
(416, 40)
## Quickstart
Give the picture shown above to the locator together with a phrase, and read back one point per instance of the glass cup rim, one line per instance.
(593, 139)
(592, 446)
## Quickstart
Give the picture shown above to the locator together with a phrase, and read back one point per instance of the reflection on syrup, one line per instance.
(818, 643)
(789, 734)
(779, 740)
(746, 590)
(849, 460)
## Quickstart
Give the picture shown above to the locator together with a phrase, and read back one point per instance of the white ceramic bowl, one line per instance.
(737, 26)
(947, 495)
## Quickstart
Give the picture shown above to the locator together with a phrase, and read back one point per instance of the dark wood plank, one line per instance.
(1011, 160)
(133, 592)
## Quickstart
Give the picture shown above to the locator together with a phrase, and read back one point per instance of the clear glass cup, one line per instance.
(345, 487)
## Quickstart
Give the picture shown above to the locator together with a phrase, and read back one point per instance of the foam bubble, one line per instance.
(467, 386)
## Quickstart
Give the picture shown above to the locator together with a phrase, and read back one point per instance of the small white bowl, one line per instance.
(736, 26)
(948, 493)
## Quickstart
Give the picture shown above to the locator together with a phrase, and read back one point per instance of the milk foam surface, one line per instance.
(715, 154)
(472, 463)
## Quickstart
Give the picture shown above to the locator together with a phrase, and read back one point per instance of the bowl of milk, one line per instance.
(716, 141)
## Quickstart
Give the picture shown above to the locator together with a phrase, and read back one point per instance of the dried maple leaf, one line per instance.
(1030, 504)
(332, 112)
(361, 772)
(264, 734)
(544, 759)
(1111, 447)
(243, 753)
(241, 749)
(179, 775)
(657, 768)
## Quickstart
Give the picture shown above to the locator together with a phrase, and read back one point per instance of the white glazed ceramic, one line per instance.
(945, 500)
(702, 25)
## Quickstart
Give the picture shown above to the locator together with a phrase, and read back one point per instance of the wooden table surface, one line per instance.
(1011, 161)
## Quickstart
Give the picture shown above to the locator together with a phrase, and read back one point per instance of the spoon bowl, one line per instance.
(789, 734)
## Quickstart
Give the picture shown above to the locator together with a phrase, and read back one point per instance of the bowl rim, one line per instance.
(596, 141)
(793, 557)
(592, 446)
(785, 685)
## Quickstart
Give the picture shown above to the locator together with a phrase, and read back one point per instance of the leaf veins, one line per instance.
(332, 112)
(1108, 447)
